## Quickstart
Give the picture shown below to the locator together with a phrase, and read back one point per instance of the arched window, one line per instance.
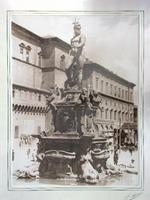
(115, 115)
(111, 112)
(22, 47)
(106, 113)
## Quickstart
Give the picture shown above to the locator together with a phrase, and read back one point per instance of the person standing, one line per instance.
(116, 156)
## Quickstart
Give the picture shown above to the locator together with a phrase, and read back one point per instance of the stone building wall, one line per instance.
(116, 94)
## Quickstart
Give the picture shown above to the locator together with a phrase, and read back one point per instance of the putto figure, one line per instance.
(76, 61)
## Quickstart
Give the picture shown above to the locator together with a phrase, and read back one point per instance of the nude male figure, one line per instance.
(76, 54)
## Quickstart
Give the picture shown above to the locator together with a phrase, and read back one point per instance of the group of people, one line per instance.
(25, 140)
(28, 143)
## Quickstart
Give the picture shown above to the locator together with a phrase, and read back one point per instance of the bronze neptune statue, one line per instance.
(76, 59)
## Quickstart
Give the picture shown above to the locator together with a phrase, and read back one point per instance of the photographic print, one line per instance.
(75, 100)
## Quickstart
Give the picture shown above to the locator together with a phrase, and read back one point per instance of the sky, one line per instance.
(111, 39)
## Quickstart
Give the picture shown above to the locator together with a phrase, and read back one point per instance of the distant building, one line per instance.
(38, 64)
(116, 93)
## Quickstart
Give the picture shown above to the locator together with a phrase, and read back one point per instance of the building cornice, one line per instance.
(38, 39)
(115, 98)
(20, 32)
(28, 63)
(30, 89)
(109, 74)
(49, 69)
(44, 69)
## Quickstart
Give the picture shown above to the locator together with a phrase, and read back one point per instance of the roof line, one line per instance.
(24, 29)
(31, 89)
(53, 38)
(110, 73)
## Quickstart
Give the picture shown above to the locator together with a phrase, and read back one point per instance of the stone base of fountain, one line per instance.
(64, 149)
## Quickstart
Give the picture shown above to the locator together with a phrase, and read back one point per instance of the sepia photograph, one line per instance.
(75, 100)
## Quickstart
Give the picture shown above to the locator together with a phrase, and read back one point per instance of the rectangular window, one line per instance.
(39, 97)
(111, 89)
(115, 92)
(123, 94)
(102, 82)
(131, 96)
(97, 83)
(28, 49)
(119, 116)
(115, 115)
(106, 87)
(126, 95)
(119, 92)
(27, 57)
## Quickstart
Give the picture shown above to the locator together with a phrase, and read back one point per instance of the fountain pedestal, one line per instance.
(74, 137)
